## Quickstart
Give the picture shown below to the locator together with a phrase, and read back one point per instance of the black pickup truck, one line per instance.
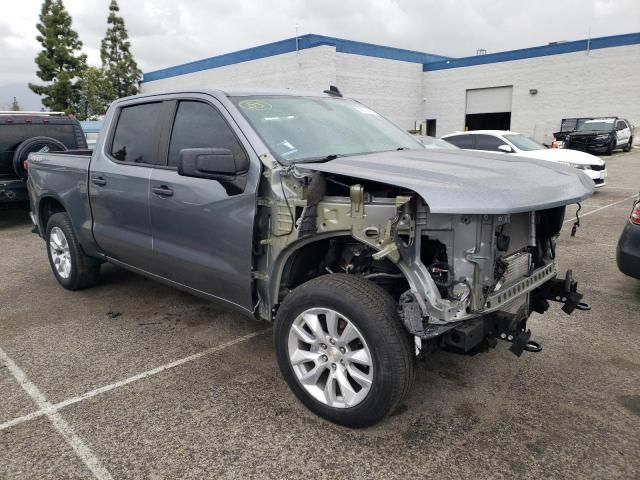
(22, 133)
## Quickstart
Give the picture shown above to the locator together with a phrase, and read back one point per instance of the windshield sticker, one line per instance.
(365, 110)
(255, 105)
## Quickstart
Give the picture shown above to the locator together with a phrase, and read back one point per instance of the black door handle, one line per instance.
(98, 181)
(162, 190)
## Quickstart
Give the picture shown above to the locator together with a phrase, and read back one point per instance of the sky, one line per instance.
(169, 32)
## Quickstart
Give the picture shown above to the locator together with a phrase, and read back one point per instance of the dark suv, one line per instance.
(601, 135)
(24, 132)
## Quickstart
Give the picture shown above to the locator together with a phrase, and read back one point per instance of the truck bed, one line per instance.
(63, 175)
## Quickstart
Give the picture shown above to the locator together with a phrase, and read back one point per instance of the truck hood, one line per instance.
(460, 182)
(563, 155)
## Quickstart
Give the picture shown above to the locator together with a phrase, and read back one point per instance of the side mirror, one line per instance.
(211, 163)
(505, 148)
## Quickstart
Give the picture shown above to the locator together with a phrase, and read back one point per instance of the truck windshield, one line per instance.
(523, 143)
(306, 129)
(596, 126)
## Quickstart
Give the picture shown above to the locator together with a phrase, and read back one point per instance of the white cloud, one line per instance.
(168, 32)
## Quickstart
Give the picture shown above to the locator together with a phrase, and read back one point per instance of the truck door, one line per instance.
(203, 229)
(119, 185)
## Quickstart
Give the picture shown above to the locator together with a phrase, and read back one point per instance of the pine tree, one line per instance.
(15, 106)
(94, 94)
(60, 63)
(115, 51)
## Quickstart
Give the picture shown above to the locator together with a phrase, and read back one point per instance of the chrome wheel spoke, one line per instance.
(332, 323)
(349, 334)
(302, 334)
(330, 390)
(360, 356)
(313, 322)
(313, 375)
(304, 356)
(347, 391)
(360, 377)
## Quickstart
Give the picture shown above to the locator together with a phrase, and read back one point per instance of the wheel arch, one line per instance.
(48, 206)
(284, 265)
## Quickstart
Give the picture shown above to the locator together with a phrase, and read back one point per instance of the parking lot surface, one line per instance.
(132, 379)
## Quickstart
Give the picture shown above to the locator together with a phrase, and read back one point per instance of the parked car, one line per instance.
(24, 132)
(567, 126)
(315, 212)
(601, 135)
(628, 250)
(435, 143)
(520, 145)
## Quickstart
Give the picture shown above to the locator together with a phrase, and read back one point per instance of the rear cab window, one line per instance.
(135, 139)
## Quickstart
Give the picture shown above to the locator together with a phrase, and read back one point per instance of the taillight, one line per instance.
(635, 214)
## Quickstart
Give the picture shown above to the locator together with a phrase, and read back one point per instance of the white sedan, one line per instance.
(523, 146)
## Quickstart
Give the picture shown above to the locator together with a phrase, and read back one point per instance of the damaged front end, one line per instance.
(459, 280)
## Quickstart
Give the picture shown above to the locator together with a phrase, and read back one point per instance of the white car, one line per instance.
(517, 144)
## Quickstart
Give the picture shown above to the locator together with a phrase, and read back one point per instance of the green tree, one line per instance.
(15, 106)
(60, 62)
(93, 95)
(117, 60)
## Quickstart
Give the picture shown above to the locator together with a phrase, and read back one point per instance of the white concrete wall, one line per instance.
(390, 87)
(604, 82)
(311, 69)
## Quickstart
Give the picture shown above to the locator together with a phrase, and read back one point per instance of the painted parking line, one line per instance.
(82, 450)
(602, 208)
(50, 409)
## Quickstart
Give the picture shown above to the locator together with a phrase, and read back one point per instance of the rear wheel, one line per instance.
(627, 148)
(31, 145)
(72, 268)
(342, 350)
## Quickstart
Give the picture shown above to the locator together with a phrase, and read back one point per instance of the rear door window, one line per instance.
(199, 125)
(461, 141)
(135, 139)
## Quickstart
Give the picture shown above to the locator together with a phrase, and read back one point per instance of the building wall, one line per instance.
(311, 69)
(603, 82)
(392, 88)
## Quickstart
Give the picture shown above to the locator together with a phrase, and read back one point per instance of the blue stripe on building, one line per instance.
(545, 50)
(429, 61)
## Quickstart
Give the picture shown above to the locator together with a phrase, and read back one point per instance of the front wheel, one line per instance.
(342, 350)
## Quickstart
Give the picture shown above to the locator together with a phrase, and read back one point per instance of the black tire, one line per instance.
(374, 313)
(84, 270)
(627, 148)
(609, 150)
(34, 144)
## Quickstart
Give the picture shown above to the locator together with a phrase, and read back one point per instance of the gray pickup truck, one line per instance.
(313, 211)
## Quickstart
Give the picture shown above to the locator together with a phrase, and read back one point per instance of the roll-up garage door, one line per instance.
(489, 108)
(489, 100)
